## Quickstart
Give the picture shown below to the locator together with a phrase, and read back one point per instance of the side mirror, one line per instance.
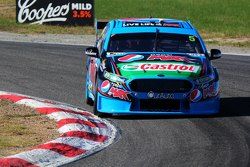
(92, 52)
(215, 54)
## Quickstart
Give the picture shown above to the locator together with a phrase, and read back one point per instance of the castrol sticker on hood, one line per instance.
(181, 67)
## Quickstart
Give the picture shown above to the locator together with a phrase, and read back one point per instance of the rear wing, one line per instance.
(99, 25)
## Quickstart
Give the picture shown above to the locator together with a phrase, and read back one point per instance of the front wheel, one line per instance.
(89, 101)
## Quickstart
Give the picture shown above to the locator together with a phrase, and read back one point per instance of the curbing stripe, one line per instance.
(77, 142)
(41, 157)
(85, 135)
(47, 110)
(6, 162)
(35, 103)
(63, 115)
(12, 98)
(82, 134)
(82, 122)
(78, 127)
(63, 149)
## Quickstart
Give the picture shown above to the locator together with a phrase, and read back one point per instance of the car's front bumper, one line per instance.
(121, 107)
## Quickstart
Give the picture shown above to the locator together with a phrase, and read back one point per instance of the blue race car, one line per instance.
(151, 66)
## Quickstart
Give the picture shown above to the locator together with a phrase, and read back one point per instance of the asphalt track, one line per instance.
(56, 72)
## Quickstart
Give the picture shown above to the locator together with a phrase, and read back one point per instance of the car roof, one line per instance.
(149, 25)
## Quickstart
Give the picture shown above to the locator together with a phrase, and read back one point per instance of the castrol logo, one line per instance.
(160, 67)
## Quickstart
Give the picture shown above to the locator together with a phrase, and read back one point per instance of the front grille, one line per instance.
(160, 85)
(159, 105)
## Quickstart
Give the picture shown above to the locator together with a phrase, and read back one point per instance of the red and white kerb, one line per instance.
(82, 134)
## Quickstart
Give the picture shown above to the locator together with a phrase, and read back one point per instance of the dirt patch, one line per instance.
(8, 9)
(22, 128)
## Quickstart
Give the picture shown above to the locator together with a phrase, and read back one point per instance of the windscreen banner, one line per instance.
(55, 12)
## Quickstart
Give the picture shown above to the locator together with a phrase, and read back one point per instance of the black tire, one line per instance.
(89, 101)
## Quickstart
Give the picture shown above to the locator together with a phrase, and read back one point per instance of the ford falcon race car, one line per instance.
(151, 66)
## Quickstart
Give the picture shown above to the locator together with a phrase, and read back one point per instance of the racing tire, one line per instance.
(95, 111)
(89, 101)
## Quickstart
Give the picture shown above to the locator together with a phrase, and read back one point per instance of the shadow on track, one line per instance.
(230, 107)
(235, 106)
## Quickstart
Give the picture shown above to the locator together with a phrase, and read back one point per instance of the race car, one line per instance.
(151, 66)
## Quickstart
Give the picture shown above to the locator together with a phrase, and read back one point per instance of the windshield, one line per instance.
(154, 42)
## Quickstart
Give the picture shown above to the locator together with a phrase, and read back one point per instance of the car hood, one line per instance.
(134, 66)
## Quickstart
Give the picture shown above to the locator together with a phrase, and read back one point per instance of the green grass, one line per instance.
(227, 18)
(213, 18)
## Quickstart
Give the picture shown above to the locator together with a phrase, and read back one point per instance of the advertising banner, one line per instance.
(55, 12)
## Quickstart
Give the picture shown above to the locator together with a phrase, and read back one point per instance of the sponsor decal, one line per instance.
(105, 86)
(211, 90)
(150, 24)
(90, 52)
(191, 38)
(42, 15)
(203, 80)
(110, 54)
(90, 86)
(63, 12)
(195, 95)
(164, 57)
(117, 85)
(160, 67)
(118, 93)
(81, 10)
(153, 95)
(196, 54)
(113, 77)
(130, 67)
(130, 58)
(103, 65)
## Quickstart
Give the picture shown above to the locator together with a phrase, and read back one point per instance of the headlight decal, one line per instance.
(113, 89)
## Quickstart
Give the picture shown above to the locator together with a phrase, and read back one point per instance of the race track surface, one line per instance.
(57, 72)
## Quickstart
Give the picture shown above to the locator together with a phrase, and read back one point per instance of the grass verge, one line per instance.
(22, 128)
(227, 19)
